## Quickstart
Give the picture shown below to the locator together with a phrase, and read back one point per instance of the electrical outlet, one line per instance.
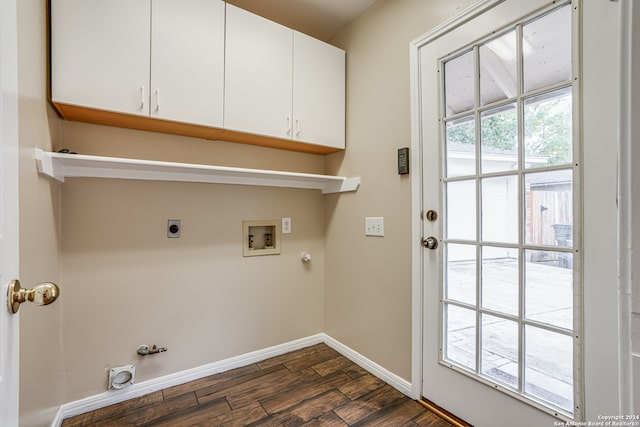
(173, 228)
(374, 226)
(286, 225)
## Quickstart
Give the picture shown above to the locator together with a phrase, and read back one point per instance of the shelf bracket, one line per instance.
(47, 166)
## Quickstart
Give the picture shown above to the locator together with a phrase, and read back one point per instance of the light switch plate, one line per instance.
(374, 226)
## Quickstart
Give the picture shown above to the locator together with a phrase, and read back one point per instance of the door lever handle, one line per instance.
(42, 294)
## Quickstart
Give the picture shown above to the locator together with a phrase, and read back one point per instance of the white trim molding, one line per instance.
(373, 368)
(107, 398)
(628, 205)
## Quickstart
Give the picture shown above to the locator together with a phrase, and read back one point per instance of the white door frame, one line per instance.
(629, 206)
(9, 333)
(602, 344)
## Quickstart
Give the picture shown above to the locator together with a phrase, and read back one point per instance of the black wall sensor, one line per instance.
(403, 160)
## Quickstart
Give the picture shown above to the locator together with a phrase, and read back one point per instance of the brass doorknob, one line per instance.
(42, 294)
(430, 242)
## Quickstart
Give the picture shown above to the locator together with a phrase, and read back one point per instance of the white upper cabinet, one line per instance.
(282, 83)
(258, 75)
(318, 92)
(158, 58)
(187, 61)
(100, 55)
(199, 68)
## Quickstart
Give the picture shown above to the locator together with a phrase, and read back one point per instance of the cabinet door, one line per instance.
(100, 54)
(258, 74)
(318, 92)
(187, 61)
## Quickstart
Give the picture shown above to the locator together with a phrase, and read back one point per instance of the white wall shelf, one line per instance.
(60, 166)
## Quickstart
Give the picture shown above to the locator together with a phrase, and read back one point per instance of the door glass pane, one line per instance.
(461, 210)
(499, 135)
(500, 279)
(549, 287)
(461, 147)
(500, 349)
(549, 367)
(546, 47)
(508, 249)
(459, 84)
(500, 209)
(498, 69)
(461, 336)
(548, 129)
(461, 273)
(549, 208)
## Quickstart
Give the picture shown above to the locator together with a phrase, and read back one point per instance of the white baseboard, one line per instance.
(385, 375)
(107, 398)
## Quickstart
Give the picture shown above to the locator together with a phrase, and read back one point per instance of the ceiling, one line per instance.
(321, 19)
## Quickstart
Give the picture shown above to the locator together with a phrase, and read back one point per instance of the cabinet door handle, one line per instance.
(157, 99)
(141, 97)
(297, 126)
(288, 125)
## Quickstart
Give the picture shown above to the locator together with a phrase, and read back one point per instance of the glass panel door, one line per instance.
(510, 252)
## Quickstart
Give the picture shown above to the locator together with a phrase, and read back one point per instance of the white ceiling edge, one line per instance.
(321, 19)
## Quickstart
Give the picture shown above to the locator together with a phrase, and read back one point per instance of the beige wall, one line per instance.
(40, 345)
(123, 283)
(127, 284)
(368, 279)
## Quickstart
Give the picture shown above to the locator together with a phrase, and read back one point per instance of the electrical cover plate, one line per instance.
(173, 228)
(286, 225)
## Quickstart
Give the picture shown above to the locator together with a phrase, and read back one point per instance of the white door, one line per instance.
(501, 331)
(8, 211)
(101, 54)
(187, 61)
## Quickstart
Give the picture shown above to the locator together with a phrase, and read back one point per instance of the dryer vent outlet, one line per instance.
(121, 376)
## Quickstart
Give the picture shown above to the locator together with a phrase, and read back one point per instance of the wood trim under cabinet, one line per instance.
(109, 118)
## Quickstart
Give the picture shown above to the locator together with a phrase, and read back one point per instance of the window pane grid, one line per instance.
(507, 101)
(524, 322)
(509, 363)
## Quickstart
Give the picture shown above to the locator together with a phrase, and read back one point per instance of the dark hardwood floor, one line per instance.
(314, 386)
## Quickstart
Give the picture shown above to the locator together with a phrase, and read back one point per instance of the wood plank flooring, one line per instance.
(314, 386)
